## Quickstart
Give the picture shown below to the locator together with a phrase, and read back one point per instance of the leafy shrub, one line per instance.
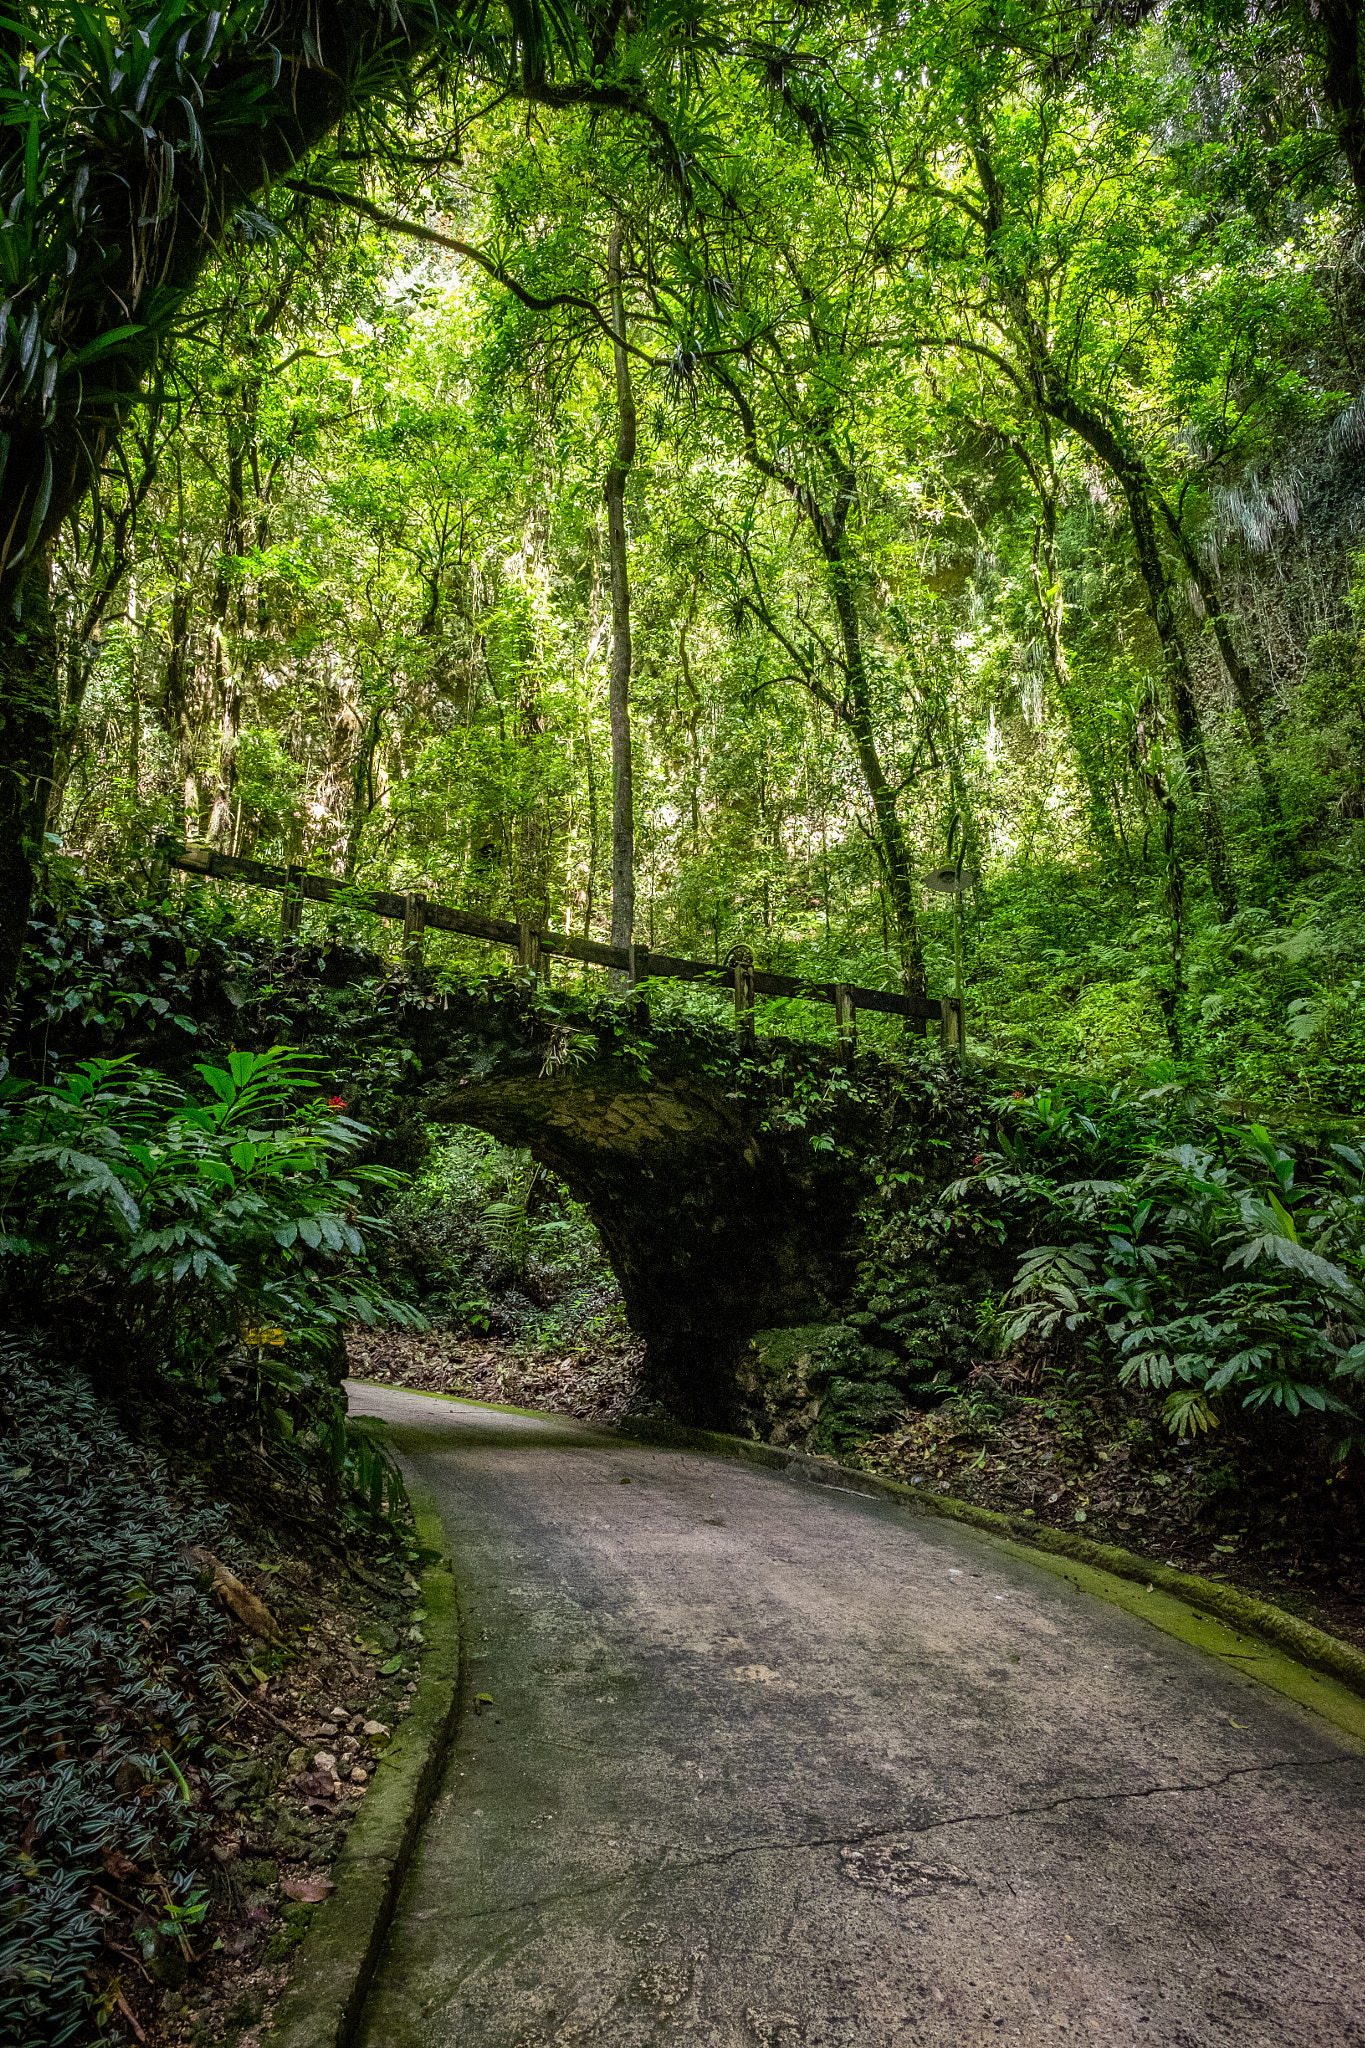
(1198, 1258)
(100, 970)
(1277, 1016)
(929, 1320)
(107, 1660)
(535, 1223)
(186, 1220)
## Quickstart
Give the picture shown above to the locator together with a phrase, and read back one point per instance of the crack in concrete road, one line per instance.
(664, 1865)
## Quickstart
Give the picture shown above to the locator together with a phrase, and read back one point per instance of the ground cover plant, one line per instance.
(1193, 1254)
(110, 1665)
(1169, 1352)
(165, 1824)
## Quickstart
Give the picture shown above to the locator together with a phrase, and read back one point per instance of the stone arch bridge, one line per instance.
(725, 1179)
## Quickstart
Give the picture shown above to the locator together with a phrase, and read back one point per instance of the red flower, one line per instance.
(336, 1102)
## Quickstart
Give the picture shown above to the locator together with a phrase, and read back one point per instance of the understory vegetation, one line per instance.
(1164, 1342)
(159, 1616)
(180, 1259)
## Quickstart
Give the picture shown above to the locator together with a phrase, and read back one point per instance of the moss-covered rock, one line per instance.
(815, 1387)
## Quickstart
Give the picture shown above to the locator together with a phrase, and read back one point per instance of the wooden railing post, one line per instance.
(637, 972)
(845, 1017)
(950, 1026)
(528, 949)
(742, 960)
(414, 928)
(291, 903)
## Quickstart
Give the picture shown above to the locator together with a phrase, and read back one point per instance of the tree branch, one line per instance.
(395, 224)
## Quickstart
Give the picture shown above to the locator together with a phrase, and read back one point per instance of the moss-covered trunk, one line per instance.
(29, 721)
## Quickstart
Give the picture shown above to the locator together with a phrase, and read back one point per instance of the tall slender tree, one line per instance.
(614, 490)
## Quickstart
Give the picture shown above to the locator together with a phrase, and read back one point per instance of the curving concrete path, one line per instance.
(766, 1763)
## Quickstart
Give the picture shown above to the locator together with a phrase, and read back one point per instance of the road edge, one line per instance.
(1240, 1613)
(336, 1960)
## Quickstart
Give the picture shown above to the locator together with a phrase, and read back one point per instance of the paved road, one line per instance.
(770, 1764)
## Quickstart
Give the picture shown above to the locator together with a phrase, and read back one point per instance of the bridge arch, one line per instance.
(717, 1213)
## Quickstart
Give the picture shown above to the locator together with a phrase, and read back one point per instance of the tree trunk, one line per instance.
(590, 892)
(622, 783)
(82, 653)
(364, 795)
(1130, 474)
(1238, 672)
(855, 711)
(536, 825)
(134, 698)
(177, 713)
(1170, 997)
(1055, 400)
(79, 663)
(229, 618)
(1338, 28)
(29, 711)
(859, 719)
(1047, 588)
(693, 718)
